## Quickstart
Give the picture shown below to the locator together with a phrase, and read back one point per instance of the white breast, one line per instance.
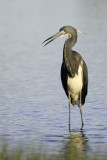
(75, 84)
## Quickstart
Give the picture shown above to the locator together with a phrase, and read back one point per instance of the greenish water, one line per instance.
(30, 154)
(33, 106)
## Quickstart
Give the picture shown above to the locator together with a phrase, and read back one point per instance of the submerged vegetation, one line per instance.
(30, 154)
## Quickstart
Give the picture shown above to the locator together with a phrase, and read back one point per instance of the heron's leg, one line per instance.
(69, 110)
(80, 106)
(81, 117)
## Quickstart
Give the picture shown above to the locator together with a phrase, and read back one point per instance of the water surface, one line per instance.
(33, 106)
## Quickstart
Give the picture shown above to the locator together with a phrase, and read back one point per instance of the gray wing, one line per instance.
(64, 75)
(85, 82)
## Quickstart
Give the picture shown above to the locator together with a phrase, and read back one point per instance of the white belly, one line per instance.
(75, 84)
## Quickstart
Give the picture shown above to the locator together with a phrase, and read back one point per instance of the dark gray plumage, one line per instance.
(74, 74)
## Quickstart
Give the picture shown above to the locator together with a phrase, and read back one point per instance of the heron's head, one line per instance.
(64, 31)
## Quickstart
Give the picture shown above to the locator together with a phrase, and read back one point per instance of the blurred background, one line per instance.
(33, 105)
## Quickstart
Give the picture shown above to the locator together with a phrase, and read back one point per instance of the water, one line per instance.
(33, 105)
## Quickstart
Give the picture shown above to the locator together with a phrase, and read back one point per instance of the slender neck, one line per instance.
(68, 55)
(69, 43)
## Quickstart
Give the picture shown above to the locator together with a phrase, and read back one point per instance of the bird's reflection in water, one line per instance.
(76, 145)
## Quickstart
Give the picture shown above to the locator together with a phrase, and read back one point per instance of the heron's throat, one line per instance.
(70, 42)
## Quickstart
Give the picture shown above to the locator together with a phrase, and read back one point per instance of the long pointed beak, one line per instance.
(50, 39)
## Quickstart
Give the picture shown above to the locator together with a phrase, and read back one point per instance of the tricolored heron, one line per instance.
(74, 74)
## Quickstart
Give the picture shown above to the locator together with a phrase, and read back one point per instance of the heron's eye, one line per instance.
(69, 35)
